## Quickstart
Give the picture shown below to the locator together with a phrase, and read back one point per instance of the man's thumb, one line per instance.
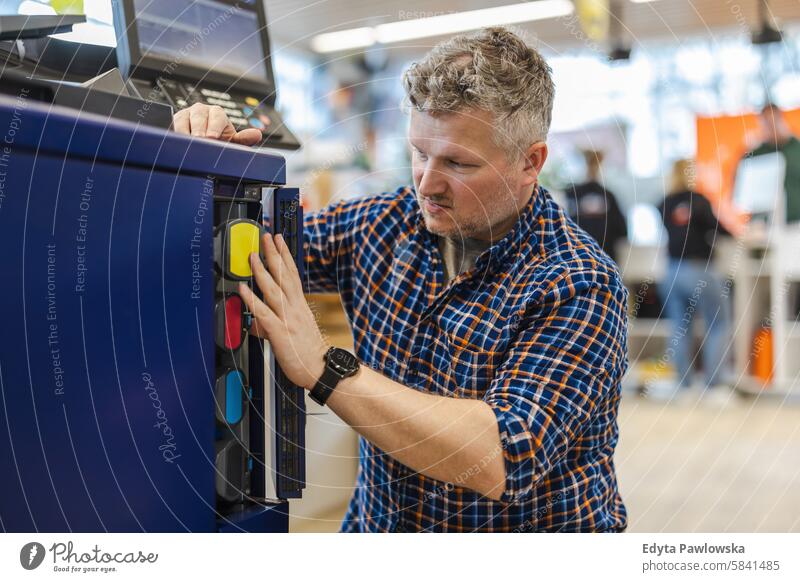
(247, 137)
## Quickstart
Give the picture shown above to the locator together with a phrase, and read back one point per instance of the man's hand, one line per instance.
(451, 439)
(201, 120)
(284, 317)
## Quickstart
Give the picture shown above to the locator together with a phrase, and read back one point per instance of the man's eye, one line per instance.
(420, 155)
(456, 164)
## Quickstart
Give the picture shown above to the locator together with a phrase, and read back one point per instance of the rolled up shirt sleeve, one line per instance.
(569, 352)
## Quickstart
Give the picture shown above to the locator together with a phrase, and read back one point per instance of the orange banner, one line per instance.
(721, 143)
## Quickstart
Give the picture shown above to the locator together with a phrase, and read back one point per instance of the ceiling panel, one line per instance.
(294, 23)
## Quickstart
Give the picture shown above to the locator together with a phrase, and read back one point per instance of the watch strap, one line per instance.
(324, 387)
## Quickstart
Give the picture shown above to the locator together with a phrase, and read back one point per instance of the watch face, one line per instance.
(343, 361)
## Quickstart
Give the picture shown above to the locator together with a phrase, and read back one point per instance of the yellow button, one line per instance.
(242, 240)
(251, 101)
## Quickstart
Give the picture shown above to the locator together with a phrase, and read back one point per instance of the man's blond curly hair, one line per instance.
(492, 70)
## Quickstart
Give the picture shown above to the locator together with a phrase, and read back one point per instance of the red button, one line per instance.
(229, 314)
(233, 322)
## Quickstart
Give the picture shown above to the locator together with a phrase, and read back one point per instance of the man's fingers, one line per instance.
(286, 254)
(288, 260)
(274, 261)
(264, 320)
(265, 280)
(281, 265)
(198, 119)
(248, 137)
(202, 120)
(180, 122)
(217, 122)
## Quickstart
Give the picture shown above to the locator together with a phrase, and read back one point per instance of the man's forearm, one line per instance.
(450, 439)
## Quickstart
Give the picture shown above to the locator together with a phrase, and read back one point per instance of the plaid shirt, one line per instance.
(537, 330)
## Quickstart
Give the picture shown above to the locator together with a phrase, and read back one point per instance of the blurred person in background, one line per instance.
(692, 284)
(778, 137)
(595, 209)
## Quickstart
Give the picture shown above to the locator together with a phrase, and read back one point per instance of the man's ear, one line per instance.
(533, 160)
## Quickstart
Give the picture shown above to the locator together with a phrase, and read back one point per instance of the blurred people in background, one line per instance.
(595, 209)
(692, 286)
(777, 137)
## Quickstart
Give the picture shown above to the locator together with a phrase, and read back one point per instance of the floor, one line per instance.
(726, 465)
(694, 465)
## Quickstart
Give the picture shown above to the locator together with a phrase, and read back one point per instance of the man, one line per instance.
(491, 330)
(595, 209)
(777, 137)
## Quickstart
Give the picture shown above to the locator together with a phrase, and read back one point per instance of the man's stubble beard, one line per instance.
(498, 210)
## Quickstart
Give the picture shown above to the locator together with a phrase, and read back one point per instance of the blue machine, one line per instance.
(116, 413)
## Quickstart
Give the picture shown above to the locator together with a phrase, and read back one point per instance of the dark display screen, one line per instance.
(207, 34)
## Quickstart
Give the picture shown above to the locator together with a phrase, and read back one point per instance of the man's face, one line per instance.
(466, 185)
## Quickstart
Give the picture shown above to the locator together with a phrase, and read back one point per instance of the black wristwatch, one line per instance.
(339, 364)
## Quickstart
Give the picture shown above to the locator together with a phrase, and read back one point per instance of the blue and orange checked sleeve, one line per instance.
(563, 364)
(326, 238)
(332, 239)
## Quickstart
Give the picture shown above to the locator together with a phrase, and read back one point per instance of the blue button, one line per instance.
(234, 386)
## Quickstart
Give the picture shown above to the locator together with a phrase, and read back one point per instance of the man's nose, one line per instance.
(431, 181)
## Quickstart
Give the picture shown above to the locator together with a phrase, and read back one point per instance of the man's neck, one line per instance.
(460, 254)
